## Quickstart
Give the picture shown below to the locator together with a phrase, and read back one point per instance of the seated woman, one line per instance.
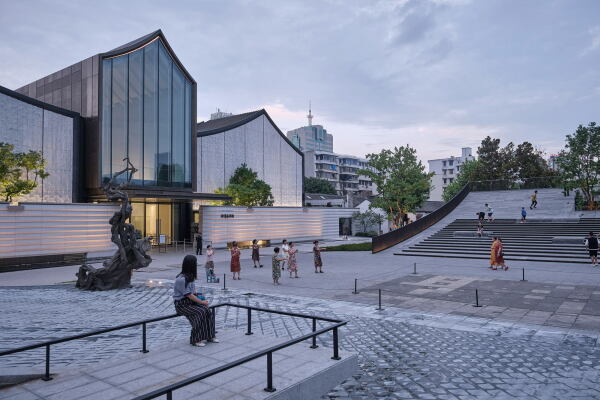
(188, 304)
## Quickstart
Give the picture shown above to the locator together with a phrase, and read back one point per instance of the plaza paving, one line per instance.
(428, 344)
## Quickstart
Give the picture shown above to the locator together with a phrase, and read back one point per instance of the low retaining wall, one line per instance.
(222, 224)
(45, 229)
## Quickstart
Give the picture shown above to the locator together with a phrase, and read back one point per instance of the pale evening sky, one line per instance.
(438, 75)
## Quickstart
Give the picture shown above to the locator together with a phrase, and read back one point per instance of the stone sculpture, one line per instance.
(131, 251)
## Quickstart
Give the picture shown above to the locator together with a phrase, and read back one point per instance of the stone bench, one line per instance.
(472, 234)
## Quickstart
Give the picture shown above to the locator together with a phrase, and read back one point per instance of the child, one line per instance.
(479, 229)
(317, 257)
(523, 215)
(277, 259)
(210, 265)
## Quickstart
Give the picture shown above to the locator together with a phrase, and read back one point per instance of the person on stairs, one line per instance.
(533, 200)
(523, 215)
(591, 242)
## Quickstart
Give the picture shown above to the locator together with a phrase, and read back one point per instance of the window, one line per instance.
(445, 180)
(450, 162)
(147, 116)
(451, 180)
(457, 168)
(444, 163)
(450, 171)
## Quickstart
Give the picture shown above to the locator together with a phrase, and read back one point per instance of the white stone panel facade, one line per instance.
(260, 146)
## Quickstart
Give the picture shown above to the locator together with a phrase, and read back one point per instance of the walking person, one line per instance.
(533, 200)
(235, 261)
(317, 257)
(480, 228)
(285, 247)
(199, 244)
(209, 266)
(500, 255)
(490, 212)
(493, 250)
(591, 243)
(277, 259)
(193, 307)
(256, 254)
(292, 264)
(523, 215)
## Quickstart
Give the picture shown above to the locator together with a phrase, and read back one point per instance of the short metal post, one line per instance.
(214, 319)
(270, 387)
(414, 269)
(476, 299)
(144, 349)
(249, 331)
(224, 278)
(176, 249)
(47, 376)
(336, 355)
(523, 280)
(314, 338)
(379, 308)
(170, 395)
(184, 245)
(355, 286)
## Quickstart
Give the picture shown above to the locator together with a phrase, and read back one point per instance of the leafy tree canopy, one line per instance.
(468, 173)
(245, 189)
(19, 171)
(318, 185)
(401, 181)
(579, 162)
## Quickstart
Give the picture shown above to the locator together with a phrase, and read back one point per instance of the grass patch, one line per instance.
(366, 246)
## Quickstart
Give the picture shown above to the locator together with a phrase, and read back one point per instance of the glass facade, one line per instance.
(146, 116)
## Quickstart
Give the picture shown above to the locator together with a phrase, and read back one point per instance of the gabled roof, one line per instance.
(214, 126)
(218, 125)
(143, 41)
(38, 103)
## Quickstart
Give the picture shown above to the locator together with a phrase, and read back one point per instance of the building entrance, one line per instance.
(170, 219)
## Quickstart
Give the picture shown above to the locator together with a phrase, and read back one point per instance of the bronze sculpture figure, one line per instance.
(131, 251)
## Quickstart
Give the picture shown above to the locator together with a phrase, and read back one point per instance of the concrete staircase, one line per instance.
(531, 241)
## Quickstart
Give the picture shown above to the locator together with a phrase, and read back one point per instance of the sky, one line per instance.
(437, 75)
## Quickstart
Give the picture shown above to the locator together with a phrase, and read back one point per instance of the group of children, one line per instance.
(285, 254)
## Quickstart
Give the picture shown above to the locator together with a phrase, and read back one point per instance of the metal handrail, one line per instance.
(168, 390)
(392, 238)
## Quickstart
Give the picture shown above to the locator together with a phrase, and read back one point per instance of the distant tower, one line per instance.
(309, 116)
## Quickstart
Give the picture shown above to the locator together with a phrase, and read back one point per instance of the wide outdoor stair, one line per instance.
(530, 241)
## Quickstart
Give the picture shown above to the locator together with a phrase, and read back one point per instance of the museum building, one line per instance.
(137, 101)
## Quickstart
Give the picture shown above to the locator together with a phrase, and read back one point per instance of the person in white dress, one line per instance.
(285, 248)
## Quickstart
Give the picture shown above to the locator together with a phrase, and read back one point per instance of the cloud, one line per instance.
(594, 32)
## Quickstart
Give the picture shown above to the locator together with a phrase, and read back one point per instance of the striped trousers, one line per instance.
(200, 318)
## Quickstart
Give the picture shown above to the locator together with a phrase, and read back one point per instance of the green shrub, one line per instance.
(351, 247)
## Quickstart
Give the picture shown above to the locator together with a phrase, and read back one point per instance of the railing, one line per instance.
(168, 390)
(541, 182)
(399, 235)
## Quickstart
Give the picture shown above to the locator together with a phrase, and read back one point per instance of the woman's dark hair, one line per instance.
(315, 242)
(291, 243)
(189, 268)
(208, 246)
(233, 244)
(276, 249)
(254, 241)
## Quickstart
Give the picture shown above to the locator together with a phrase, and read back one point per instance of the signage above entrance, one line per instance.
(227, 216)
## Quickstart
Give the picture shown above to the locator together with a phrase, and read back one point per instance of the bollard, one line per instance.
(379, 308)
(414, 269)
(224, 278)
(523, 279)
(476, 299)
(355, 286)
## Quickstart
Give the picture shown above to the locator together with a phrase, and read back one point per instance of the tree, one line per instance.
(318, 185)
(468, 173)
(528, 162)
(365, 219)
(401, 181)
(19, 172)
(579, 162)
(245, 189)
(379, 220)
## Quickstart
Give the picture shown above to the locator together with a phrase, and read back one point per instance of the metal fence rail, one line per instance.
(168, 390)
